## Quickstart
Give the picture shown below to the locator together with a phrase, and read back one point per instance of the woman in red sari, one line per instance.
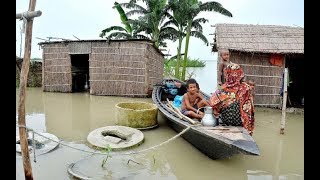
(233, 103)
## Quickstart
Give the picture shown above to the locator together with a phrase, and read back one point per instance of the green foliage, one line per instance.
(168, 70)
(34, 75)
(150, 20)
(107, 150)
(190, 62)
(118, 32)
(193, 9)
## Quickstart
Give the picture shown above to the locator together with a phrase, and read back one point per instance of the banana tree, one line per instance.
(126, 32)
(194, 7)
(151, 19)
(179, 12)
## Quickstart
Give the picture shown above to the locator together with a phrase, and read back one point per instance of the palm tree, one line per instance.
(128, 32)
(151, 20)
(179, 12)
(193, 8)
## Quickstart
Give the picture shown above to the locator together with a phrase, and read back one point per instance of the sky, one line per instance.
(85, 19)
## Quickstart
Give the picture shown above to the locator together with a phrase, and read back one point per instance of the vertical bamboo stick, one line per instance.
(22, 94)
(284, 105)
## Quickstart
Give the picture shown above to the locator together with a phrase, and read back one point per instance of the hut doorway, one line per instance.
(80, 72)
(295, 65)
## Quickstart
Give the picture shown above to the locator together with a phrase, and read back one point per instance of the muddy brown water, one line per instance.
(72, 116)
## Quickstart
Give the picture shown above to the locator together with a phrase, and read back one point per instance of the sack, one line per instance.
(170, 88)
(177, 101)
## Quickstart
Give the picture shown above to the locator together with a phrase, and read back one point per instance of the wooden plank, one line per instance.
(79, 48)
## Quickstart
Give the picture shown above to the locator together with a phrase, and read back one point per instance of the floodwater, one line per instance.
(72, 116)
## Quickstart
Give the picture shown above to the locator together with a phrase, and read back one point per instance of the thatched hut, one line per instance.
(115, 67)
(34, 75)
(264, 51)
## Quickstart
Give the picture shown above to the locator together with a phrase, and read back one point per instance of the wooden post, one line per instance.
(284, 103)
(22, 94)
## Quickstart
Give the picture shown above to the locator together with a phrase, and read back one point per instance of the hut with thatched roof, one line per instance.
(34, 75)
(115, 67)
(264, 51)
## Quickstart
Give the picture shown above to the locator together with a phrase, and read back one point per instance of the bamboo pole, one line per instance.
(177, 111)
(22, 94)
(174, 111)
(29, 14)
(284, 103)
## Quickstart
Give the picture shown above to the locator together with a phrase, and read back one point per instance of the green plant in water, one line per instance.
(107, 150)
(169, 65)
(168, 70)
(190, 62)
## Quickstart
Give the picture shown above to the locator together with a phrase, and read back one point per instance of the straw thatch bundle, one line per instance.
(34, 75)
(259, 38)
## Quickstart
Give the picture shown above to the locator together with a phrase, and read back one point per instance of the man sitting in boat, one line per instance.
(192, 101)
(233, 103)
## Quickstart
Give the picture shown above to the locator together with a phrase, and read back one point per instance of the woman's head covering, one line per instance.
(233, 74)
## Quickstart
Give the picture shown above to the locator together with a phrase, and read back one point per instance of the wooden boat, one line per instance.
(215, 142)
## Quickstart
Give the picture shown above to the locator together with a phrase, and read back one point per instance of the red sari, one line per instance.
(235, 91)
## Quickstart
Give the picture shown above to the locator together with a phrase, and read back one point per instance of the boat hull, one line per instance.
(214, 142)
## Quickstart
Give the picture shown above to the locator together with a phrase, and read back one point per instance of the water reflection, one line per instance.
(36, 121)
(125, 167)
(72, 116)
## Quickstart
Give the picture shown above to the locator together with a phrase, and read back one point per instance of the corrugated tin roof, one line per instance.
(260, 38)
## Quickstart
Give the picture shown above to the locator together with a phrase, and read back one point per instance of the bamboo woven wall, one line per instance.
(120, 68)
(56, 68)
(267, 78)
(155, 65)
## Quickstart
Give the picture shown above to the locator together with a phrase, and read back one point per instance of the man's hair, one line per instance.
(197, 84)
(191, 81)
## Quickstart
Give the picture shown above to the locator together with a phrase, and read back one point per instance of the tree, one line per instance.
(193, 8)
(151, 20)
(128, 32)
(179, 12)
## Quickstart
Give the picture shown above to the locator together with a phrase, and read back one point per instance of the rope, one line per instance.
(113, 154)
(24, 18)
(34, 147)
